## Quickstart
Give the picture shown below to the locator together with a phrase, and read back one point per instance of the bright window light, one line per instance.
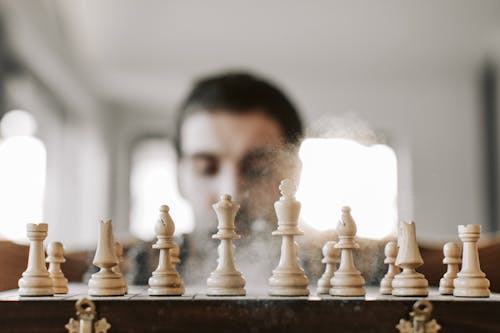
(153, 183)
(22, 175)
(340, 172)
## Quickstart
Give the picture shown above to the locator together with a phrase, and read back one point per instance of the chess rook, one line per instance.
(55, 257)
(409, 282)
(331, 257)
(165, 280)
(226, 280)
(106, 282)
(451, 253)
(347, 280)
(470, 281)
(116, 269)
(288, 278)
(391, 252)
(36, 280)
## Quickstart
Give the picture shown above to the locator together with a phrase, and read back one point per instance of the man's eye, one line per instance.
(206, 167)
(255, 171)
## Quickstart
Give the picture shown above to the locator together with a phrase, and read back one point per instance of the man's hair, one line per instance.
(239, 93)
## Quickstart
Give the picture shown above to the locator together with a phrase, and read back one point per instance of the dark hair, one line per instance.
(239, 92)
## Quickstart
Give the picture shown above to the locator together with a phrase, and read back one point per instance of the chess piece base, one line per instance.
(386, 286)
(446, 286)
(324, 284)
(471, 287)
(165, 285)
(36, 286)
(348, 291)
(60, 284)
(288, 291)
(410, 283)
(322, 290)
(226, 284)
(288, 284)
(106, 283)
(347, 284)
(61, 287)
(226, 292)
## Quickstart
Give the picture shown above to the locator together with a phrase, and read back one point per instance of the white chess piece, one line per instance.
(174, 255)
(106, 282)
(288, 278)
(391, 252)
(36, 279)
(409, 282)
(55, 257)
(331, 257)
(470, 281)
(226, 280)
(452, 259)
(165, 280)
(347, 280)
(116, 269)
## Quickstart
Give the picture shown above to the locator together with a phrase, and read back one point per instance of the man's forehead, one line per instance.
(231, 134)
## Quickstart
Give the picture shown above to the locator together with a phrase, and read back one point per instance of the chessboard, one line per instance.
(256, 312)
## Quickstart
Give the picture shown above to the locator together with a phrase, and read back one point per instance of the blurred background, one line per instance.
(400, 101)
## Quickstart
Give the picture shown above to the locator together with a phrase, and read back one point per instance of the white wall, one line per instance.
(409, 70)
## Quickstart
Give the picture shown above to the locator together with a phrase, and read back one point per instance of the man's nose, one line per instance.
(230, 182)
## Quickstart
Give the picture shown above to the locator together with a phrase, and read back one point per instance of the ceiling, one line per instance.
(146, 52)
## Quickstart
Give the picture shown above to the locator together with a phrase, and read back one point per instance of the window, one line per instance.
(152, 184)
(341, 172)
(22, 174)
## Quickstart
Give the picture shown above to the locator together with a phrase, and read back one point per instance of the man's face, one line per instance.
(236, 154)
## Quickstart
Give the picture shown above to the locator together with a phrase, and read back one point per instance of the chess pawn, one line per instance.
(106, 282)
(36, 280)
(409, 282)
(391, 252)
(174, 254)
(288, 278)
(331, 257)
(116, 269)
(347, 280)
(226, 280)
(451, 253)
(470, 281)
(55, 257)
(165, 280)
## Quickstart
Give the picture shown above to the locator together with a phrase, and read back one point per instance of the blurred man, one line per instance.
(237, 134)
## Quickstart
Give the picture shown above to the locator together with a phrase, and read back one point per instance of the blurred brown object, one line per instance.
(14, 258)
(489, 250)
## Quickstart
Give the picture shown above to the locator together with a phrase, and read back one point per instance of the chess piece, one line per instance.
(106, 282)
(174, 255)
(391, 252)
(409, 282)
(288, 278)
(451, 253)
(331, 257)
(470, 281)
(226, 280)
(165, 280)
(116, 269)
(36, 280)
(55, 257)
(347, 280)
